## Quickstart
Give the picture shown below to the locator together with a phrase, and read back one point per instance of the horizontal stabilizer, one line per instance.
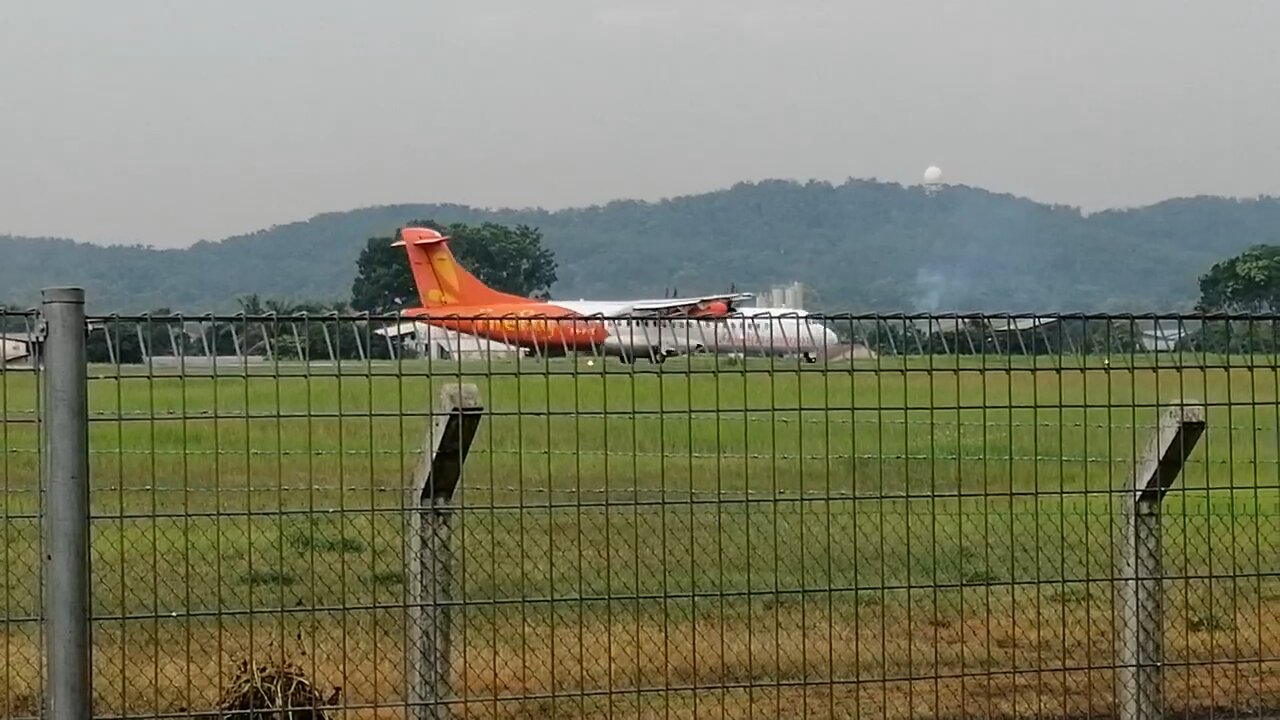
(418, 236)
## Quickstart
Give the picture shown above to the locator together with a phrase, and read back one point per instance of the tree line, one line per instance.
(515, 259)
(1231, 292)
(265, 327)
(858, 245)
(511, 259)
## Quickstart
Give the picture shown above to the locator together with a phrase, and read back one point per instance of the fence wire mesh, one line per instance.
(20, 541)
(920, 519)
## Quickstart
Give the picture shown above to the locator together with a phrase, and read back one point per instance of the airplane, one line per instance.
(656, 329)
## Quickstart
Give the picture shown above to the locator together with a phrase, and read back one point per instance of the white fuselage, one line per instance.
(629, 331)
(750, 331)
(763, 331)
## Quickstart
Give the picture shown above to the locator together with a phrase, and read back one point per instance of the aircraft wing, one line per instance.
(687, 303)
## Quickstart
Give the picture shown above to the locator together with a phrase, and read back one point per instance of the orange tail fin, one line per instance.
(441, 281)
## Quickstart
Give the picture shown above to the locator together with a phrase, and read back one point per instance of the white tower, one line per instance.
(932, 179)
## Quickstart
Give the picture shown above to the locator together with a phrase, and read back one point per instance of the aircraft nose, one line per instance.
(829, 338)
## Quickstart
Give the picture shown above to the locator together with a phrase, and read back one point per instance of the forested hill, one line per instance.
(860, 246)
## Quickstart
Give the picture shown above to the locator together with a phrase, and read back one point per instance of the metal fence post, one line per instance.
(429, 556)
(66, 510)
(1139, 607)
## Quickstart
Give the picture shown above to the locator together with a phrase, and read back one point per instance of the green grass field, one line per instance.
(925, 536)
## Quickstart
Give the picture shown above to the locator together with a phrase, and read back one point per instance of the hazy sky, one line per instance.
(168, 121)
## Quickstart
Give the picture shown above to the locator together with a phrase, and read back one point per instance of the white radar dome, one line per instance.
(933, 174)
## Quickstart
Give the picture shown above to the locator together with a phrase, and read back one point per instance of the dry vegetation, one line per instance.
(779, 661)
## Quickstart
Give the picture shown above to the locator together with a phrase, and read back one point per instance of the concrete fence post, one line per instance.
(65, 525)
(1139, 574)
(429, 556)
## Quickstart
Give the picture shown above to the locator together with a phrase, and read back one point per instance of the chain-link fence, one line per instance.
(20, 546)
(935, 516)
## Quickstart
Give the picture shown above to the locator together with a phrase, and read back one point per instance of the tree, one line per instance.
(289, 330)
(383, 281)
(510, 259)
(1248, 282)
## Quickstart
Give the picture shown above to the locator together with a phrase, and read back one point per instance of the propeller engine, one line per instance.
(713, 308)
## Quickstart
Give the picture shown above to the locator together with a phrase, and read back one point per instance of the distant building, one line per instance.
(990, 334)
(18, 350)
(1164, 335)
(790, 297)
(1029, 335)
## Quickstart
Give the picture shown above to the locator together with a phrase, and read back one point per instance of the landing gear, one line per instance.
(810, 358)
